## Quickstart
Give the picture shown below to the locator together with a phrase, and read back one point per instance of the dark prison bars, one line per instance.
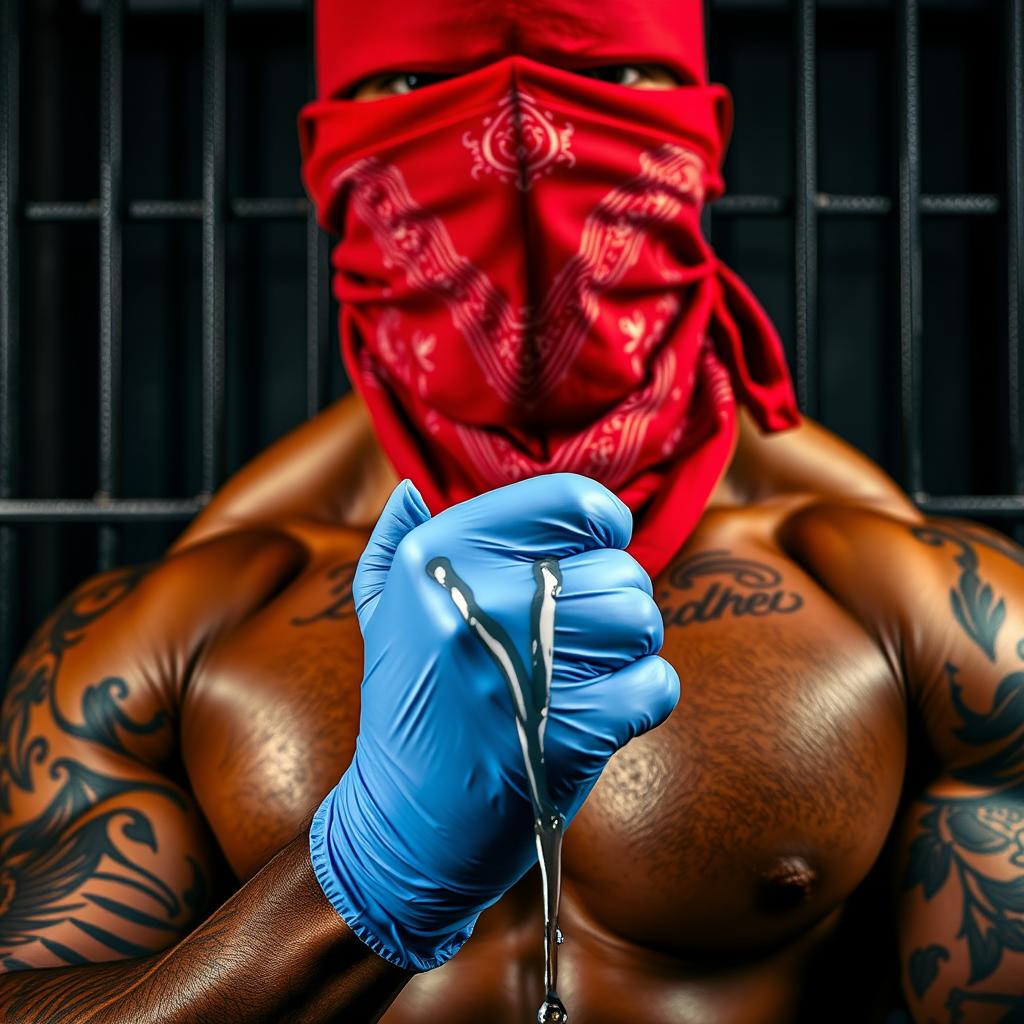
(215, 208)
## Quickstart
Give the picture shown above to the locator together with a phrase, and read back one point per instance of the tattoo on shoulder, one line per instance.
(977, 611)
(976, 841)
(34, 683)
(49, 861)
(722, 584)
(341, 605)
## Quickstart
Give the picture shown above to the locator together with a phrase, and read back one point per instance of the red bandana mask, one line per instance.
(523, 282)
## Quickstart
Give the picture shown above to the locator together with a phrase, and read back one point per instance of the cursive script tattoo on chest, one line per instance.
(714, 584)
(340, 605)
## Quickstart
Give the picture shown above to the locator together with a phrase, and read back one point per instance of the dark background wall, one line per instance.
(969, 410)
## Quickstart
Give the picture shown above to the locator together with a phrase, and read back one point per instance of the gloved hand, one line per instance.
(432, 821)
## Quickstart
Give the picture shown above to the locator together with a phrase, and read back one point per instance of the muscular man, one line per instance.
(835, 798)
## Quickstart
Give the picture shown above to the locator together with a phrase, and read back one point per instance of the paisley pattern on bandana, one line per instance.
(550, 306)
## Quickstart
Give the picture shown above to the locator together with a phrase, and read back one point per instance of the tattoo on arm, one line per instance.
(975, 609)
(961, 836)
(341, 606)
(48, 862)
(756, 590)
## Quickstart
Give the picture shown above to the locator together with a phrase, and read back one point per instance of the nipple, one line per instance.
(786, 884)
(552, 1011)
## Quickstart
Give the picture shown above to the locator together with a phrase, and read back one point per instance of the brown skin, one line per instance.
(709, 875)
(850, 696)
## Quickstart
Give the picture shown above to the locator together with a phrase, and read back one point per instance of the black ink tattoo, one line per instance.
(924, 967)
(33, 682)
(342, 605)
(48, 861)
(51, 997)
(971, 600)
(960, 834)
(976, 535)
(958, 997)
(762, 593)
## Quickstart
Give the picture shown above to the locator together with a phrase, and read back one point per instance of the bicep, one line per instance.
(962, 927)
(101, 855)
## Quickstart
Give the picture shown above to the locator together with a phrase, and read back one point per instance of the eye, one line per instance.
(633, 76)
(616, 74)
(395, 85)
(410, 82)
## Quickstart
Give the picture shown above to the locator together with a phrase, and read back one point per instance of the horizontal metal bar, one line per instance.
(165, 209)
(269, 209)
(996, 505)
(195, 6)
(126, 510)
(295, 6)
(56, 212)
(277, 208)
(961, 205)
(61, 212)
(831, 204)
(853, 206)
(752, 206)
(114, 510)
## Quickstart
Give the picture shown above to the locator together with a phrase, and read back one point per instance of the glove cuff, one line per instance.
(385, 908)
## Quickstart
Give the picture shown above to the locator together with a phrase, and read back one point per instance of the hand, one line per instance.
(432, 822)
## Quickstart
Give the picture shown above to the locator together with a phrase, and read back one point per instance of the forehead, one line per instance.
(355, 41)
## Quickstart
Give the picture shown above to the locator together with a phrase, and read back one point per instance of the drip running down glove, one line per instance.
(432, 822)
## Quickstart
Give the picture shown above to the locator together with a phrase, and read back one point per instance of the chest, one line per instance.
(757, 807)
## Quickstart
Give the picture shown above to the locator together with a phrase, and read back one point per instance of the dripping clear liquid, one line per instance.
(550, 831)
(531, 696)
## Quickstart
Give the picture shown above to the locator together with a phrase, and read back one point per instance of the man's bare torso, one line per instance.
(731, 835)
(709, 871)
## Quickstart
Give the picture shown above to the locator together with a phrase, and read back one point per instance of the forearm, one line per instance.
(276, 951)
(961, 936)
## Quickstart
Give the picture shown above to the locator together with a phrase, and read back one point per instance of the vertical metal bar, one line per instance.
(111, 208)
(10, 40)
(705, 216)
(910, 249)
(317, 305)
(1015, 232)
(805, 209)
(214, 227)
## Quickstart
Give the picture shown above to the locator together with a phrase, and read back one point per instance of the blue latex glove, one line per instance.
(432, 821)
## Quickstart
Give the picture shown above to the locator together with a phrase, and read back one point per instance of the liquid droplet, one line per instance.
(552, 1011)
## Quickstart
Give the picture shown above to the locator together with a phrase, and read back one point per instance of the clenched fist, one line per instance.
(432, 821)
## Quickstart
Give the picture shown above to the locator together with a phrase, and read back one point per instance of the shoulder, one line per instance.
(328, 472)
(809, 464)
(208, 585)
(944, 598)
(134, 633)
(923, 587)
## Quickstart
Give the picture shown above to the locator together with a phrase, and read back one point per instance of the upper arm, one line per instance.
(102, 855)
(963, 885)
(946, 601)
(103, 852)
